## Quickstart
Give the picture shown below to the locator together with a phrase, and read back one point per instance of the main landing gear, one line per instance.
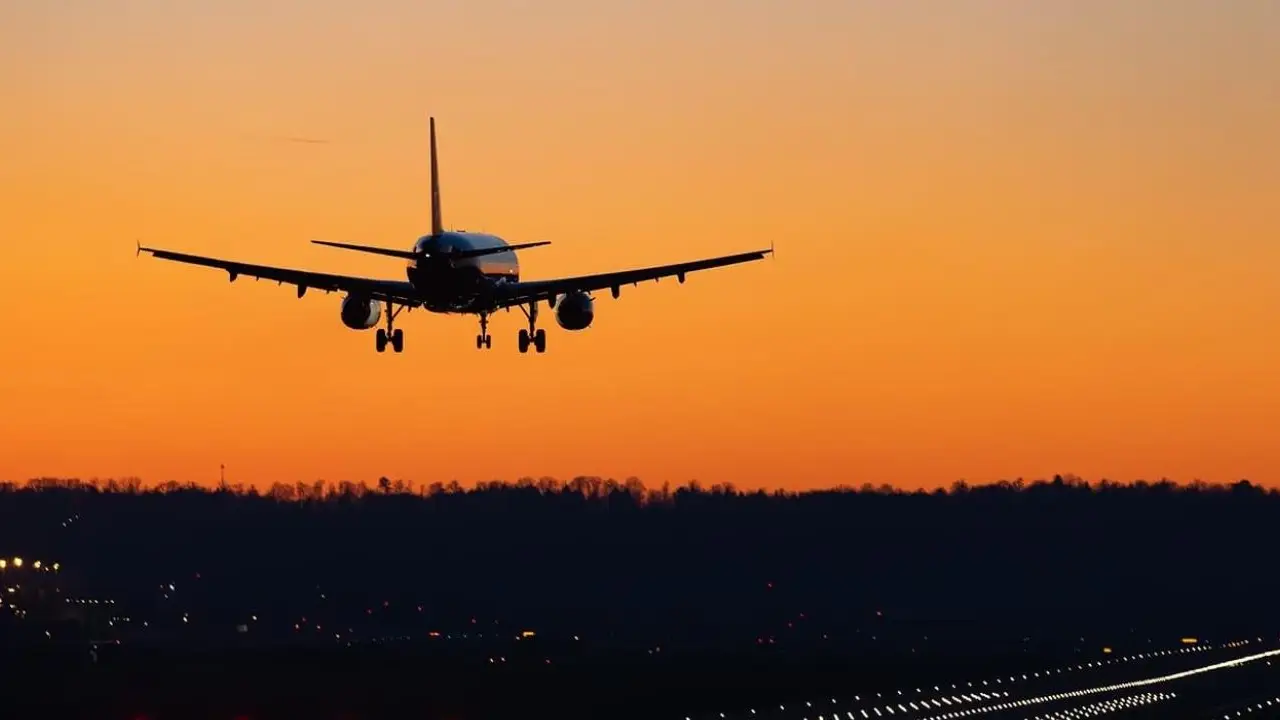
(533, 335)
(391, 335)
(484, 340)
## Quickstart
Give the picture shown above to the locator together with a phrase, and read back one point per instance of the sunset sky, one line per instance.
(1014, 238)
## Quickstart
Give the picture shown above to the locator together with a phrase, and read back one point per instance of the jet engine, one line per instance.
(575, 311)
(360, 313)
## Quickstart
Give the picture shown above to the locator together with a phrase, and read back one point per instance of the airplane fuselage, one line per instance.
(459, 286)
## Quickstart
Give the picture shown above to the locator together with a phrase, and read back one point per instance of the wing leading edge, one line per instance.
(393, 291)
(535, 290)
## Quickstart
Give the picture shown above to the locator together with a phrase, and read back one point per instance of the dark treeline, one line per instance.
(615, 562)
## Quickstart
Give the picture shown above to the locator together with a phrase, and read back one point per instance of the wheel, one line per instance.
(488, 341)
(397, 341)
(540, 341)
(524, 341)
(479, 341)
(382, 340)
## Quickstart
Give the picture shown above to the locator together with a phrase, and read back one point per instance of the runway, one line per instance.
(1237, 679)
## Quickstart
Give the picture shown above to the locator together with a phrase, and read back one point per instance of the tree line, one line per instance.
(720, 565)
(593, 487)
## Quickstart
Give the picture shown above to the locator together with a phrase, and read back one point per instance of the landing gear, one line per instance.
(533, 335)
(538, 340)
(395, 339)
(484, 340)
(391, 335)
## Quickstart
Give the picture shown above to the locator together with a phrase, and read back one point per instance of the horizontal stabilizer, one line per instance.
(406, 254)
(410, 255)
(459, 254)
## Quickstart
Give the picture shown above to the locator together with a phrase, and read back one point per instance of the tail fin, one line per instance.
(437, 223)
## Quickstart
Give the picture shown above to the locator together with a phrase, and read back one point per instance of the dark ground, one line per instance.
(410, 683)
(646, 603)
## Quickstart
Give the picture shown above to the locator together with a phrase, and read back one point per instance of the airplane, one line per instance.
(457, 272)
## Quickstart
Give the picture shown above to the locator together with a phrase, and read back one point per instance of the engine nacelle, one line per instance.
(575, 311)
(359, 313)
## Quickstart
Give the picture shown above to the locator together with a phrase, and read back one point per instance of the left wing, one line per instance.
(393, 291)
(522, 292)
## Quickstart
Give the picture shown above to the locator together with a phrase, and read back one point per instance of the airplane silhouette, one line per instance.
(457, 272)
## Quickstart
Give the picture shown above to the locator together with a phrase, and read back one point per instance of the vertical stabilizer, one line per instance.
(437, 224)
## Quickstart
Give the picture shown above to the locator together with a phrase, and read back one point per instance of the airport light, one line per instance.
(17, 562)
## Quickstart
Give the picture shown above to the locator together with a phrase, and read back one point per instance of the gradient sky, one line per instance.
(1014, 238)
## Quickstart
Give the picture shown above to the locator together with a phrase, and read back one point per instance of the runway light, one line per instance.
(17, 562)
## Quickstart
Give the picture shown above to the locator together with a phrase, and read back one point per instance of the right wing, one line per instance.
(521, 292)
(393, 291)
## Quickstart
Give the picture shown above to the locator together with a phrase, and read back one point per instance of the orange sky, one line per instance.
(1014, 238)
